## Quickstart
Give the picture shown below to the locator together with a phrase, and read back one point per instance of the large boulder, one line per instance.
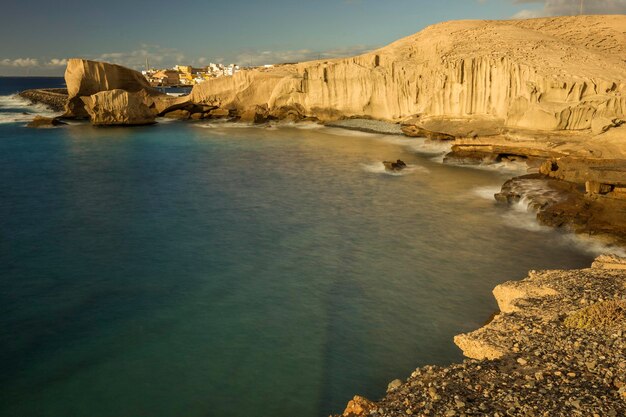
(45, 122)
(86, 78)
(119, 108)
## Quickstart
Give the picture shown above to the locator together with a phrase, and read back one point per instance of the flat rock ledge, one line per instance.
(368, 126)
(557, 348)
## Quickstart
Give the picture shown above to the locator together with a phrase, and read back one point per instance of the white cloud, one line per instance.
(19, 62)
(570, 7)
(155, 54)
(57, 62)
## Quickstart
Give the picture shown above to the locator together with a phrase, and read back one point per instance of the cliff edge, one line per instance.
(555, 349)
(543, 74)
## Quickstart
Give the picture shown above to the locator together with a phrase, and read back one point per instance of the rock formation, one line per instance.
(110, 94)
(556, 348)
(551, 74)
(392, 166)
(119, 107)
(45, 122)
(85, 78)
(541, 74)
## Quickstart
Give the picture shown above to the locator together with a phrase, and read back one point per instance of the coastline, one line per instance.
(577, 209)
(591, 190)
(429, 391)
(555, 348)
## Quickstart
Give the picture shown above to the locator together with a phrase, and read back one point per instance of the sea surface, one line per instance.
(195, 269)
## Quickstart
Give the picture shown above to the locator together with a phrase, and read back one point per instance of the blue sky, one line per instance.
(39, 35)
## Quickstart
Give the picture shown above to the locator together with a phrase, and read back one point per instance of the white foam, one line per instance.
(23, 110)
(166, 120)
(422, 146)
(379, 168)
(592, 245)
(531, 190)
(508, 167)
(337, 131)
(523, 216)
(303, 125)
(486, 192)
(226, 125)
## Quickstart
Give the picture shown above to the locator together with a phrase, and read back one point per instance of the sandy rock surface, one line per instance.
(119, 108)
(542, 74)
(557, 348)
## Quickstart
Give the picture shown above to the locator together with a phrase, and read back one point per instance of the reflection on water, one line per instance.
(179, 271)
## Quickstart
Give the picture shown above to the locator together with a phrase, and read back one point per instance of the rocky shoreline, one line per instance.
(557, 348)
(522, 91)
(54, 98)
(550, 350)
(588, 194)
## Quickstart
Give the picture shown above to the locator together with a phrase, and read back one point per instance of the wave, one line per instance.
(229, 125)
(303, 125)
(523, 215)
(524, 212)
(338, 131)
(505, 167)
(592, 245)
(379, 168)
(15, 109)
(487, 192)
(533, 192)
(422, 146)
(439, 148)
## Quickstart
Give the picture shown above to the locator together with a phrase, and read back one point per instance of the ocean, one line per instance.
(204, 269)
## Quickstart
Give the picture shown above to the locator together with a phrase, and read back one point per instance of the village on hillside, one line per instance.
(187, 75)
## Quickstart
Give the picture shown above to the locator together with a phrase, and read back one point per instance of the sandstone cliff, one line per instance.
(542, 74)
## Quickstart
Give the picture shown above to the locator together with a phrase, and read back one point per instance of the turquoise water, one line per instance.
(188, 270)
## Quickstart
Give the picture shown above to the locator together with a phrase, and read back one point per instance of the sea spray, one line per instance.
(535, 194)
(379, 168)
(15, 109)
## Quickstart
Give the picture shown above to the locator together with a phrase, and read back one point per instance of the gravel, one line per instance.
(542, 367)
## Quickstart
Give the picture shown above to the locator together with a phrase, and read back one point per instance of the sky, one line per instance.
(38, 36)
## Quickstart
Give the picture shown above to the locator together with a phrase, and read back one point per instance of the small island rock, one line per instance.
(399, 165)
(45, 122)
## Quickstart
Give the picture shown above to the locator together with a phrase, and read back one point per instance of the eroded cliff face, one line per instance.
(119, 107)
(543, 74)
(85, 78)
